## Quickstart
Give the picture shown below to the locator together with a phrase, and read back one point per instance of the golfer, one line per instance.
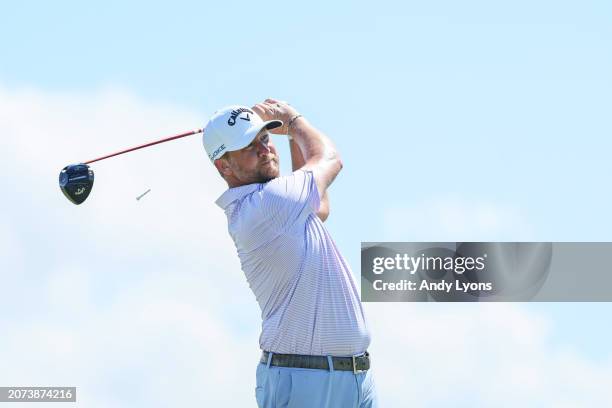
(314, 336)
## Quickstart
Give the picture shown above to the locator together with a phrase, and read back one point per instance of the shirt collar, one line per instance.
(236, 193)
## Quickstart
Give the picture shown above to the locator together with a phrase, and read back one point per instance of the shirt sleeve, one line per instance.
(289, 199)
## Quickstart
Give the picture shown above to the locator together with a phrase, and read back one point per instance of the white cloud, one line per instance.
(119, 292)
(454, 218)
(489, 355)
(142, 303)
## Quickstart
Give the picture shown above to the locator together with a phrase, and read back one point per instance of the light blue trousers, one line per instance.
(309, 388)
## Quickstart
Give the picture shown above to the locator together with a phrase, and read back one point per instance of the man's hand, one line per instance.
(271, 109)
(310, 148)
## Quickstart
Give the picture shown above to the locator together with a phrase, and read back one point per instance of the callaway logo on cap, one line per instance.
(233, 128)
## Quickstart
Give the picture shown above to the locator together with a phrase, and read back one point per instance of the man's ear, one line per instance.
(223, 166)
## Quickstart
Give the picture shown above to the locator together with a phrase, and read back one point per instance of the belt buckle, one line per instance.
(355, 370)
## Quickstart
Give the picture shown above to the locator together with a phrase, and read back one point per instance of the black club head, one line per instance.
(76, 181)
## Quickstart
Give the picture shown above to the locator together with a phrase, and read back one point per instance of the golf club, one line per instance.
(76, 180)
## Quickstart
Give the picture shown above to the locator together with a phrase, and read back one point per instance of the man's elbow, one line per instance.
(323, 214)
(323, 211)
(338, 162)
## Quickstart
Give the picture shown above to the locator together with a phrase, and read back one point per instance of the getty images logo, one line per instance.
(235, 113)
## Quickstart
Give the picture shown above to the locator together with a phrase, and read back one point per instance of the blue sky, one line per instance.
(456, 121)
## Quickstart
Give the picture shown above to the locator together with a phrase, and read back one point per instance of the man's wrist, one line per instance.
(293, 119)
(291, 123)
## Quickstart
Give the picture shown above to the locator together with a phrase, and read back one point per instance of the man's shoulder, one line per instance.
(286, 183)
(236, 193)
(278, 185)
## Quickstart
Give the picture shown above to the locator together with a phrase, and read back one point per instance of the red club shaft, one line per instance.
(166, 139)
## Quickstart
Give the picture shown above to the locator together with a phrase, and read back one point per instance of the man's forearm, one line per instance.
(312, 143)
(297, 159)
(319, 152)
(297, 162)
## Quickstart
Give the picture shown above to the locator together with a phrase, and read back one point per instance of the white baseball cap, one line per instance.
(233, 128)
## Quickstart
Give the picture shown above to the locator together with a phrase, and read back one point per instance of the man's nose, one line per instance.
(263, 148)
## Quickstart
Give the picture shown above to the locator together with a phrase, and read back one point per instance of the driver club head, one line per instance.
(76, 181)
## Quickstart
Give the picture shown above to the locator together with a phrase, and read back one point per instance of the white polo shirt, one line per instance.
(307, 294)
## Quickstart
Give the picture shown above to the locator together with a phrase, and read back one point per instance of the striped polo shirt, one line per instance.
(307, 294)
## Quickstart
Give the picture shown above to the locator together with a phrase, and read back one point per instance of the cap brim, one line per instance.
(273, 124)
(252, 132)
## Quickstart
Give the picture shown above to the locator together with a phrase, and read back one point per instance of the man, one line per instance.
(314, 336)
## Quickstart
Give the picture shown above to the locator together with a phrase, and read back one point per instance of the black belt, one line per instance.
(355, 364)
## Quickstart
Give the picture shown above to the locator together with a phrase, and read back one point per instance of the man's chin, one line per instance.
(268, 171)
(270, 175)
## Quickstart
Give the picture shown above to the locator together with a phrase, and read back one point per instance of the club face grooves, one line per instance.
(76, 182)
